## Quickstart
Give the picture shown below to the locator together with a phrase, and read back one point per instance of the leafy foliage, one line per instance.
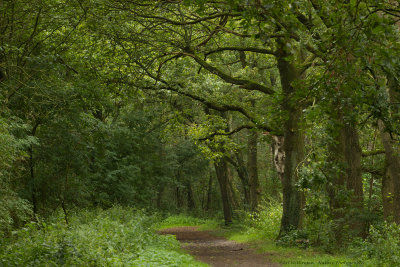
(115, 237)
(381, 248)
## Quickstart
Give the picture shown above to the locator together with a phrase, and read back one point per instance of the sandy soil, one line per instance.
(217, 251)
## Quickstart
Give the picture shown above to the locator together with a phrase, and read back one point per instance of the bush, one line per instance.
(296, 238)
(381, 248)
(14, 211)
(267, 220)
(114, 237)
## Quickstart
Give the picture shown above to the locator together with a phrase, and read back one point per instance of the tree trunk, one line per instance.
(387, 192)
(221, 169)
(354, 183)
(32, 178)
(392, 149)
(336, 176)
(253, 170)
(393, 167)
(244, 178)
(278, 155)
(232, 194)
(209, 191)
(32, 170)
(353, 154)
(190, 200)
(345, 175)
(159, 197)
(178, 191)
(293, 145)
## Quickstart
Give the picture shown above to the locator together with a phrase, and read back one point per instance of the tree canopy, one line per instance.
(146, 103)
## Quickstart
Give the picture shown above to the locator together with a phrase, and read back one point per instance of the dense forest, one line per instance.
(283, 116)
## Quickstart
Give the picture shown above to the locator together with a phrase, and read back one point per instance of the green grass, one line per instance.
(184, 220)
(287, 256)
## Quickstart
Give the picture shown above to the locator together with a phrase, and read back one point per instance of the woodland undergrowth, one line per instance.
(114, 237)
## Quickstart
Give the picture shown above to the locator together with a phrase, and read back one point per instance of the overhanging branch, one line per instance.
(244, 49)
(238, 129)
(373, 152)
(246, 84)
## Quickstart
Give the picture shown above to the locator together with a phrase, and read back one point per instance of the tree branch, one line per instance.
(244, 49)
(181, 23)
(238, 129)
(246, 84)
(373, 152)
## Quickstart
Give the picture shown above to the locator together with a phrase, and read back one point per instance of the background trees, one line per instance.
(159, 104)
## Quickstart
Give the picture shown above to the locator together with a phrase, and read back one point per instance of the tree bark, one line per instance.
(345, 176)
(393, 173)
(232, 194)
(293, 145)
(221, 169)
(387, 192)
(278, 155)
(353, 154)
(244, 178)
(354, 183)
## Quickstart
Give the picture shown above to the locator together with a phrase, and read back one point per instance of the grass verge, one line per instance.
(287, 256)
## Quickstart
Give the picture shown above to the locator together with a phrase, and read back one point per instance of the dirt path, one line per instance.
(217, 251)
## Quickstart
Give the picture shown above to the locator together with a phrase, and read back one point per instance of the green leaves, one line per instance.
(114, 237)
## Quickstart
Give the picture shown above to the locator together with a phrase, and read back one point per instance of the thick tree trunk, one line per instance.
(354, 183)
(336, 175)
(393, 177)
(345, 176)
(392, 150)
(221, 169)
(353, 154)
(293, 145)
(253, 170)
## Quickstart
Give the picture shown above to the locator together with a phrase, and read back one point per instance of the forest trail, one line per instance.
(217, 251)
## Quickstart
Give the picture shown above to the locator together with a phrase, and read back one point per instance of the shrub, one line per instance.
(114, 237)
(267, 220)
(381, 248)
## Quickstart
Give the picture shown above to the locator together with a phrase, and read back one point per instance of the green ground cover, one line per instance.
(113, 237)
